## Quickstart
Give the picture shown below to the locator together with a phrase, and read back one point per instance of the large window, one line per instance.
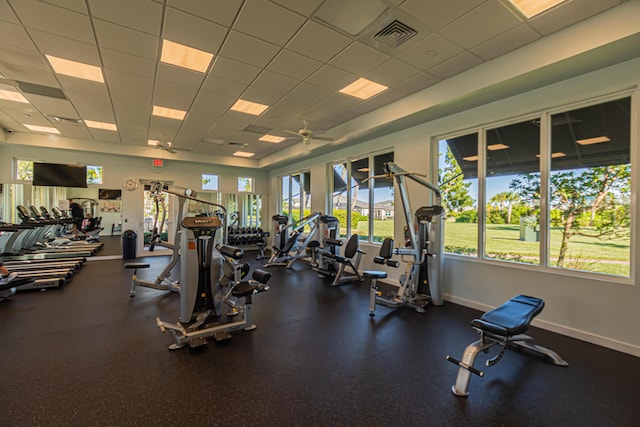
(296, 195)
(209, 182)
(458, 183)
(364, 206)
(557, 190)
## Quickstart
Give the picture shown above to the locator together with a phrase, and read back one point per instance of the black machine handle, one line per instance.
(467, 367)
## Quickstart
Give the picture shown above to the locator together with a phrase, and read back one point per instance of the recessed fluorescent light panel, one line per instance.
(249, 107)
(101, 125)
(531, 8)
(41, 128)
(494, 147)
(590, 141)
(555, 155)
(363, 89)
(271, 138)
(243, 154)
(10, 95)
(471, 158)
(76, 69)
(169, 113)
(185, 56)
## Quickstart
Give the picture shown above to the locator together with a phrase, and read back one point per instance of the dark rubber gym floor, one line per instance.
(88, 355)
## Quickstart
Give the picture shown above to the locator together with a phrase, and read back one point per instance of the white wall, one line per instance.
(600, 311)
(117, 169)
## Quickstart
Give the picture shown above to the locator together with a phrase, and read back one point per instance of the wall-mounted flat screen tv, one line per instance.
(57, 175)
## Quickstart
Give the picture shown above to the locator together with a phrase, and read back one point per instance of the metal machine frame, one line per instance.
(425, 245)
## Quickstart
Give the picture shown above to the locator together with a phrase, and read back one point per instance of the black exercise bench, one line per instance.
(503, 326)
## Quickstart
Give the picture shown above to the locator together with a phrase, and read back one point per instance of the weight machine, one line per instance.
(291, 247)
(203, 296)
(420, 282)
(164, 282)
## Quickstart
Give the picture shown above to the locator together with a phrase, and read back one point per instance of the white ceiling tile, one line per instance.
(50, 44)
(118, 79)
(91, 101)
(388, 96)
(127, 40)
(15, 35)
(133, 135)
(304, 7)
(6, 13)
(79, 6)
(275, 82)
(261, 96)
(392, 72)
(418, 82)
(569, 13)
(104, 135)
(294, 65)
(234, 70)
(53, 106)
(123, 62)
(54, 20)
(247, 49)
(221, 12)
(506, 42)
(317, 114)
(73, 131)
(181, 76)
(223, 86)
(467, 30)
(318, 42)
(339, 101)
(268, 21)
(429, 52)
(141, 15)
(455, 65)
(193, 31)
(332, 78)
(228, 125)
(358, 58)
(171, 95)
(352, 16)
(30, 75)
(163, 128)
(311, 92)
(437, 13)
(19, 59)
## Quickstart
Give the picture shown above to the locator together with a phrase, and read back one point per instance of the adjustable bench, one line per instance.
(501, 326)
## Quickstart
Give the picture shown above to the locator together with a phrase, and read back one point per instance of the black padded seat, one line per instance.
(313, 244)
(374, 274)
(511, 318)
(137, 265)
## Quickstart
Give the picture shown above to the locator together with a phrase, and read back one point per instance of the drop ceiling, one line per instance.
(292, 55)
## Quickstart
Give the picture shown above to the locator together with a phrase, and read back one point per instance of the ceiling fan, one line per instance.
(165, 145)
(307, 134)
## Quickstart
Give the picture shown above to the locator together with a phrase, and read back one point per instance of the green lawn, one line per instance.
(503, 242)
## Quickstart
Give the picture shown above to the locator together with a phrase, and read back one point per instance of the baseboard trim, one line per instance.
(589, 337)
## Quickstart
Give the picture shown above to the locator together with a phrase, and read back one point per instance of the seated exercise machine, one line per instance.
(334, 265)
(420, 282)
(501, 326)
(164, 280)
(289, 248)
(202, 294)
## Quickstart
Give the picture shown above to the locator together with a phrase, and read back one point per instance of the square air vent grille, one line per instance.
(395, 34)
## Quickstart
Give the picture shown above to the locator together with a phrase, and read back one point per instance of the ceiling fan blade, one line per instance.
(291, 132)
(324, 138)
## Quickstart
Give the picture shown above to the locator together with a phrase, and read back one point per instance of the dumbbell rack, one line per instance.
(245, 237)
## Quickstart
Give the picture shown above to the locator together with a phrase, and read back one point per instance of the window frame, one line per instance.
(544, 115)
(370, 157)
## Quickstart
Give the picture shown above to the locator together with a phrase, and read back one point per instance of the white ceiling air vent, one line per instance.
(395, 34)
(34, 89)
(236, 144)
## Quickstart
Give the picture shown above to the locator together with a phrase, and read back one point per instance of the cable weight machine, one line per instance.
(421, 281)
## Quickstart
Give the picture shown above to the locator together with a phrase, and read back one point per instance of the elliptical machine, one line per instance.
(421, 281)
(202, 295)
